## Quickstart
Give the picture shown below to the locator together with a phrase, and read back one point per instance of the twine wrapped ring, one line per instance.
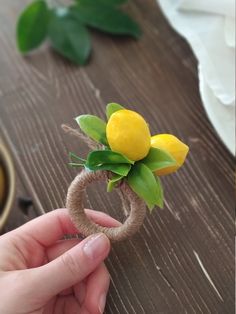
(75, 204)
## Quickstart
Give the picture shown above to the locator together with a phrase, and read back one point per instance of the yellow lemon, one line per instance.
(2, 185)
(171, 144)
(128, 133)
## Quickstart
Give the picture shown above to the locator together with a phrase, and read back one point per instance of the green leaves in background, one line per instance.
(32, 26)
(144, 184)
(94, 127)
(66, 27)
(104, 2)
(69, 37)
(107, 19)
(158, 159)
(111, 108)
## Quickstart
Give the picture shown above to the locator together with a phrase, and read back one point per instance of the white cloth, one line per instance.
(209, 27)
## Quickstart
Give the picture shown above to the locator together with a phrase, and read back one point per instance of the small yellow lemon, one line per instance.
(2, 185)
(128, 133)
(171, 144)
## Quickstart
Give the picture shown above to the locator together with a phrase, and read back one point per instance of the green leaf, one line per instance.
(113, 182)
(74, 164)
(108, 160)
(144, 184)
(99, 157)
(158, 159)
(74, 156)
(107, 19)
(31, 29)
(69, 37)
(111, 108)
(104, 2)
(121, 169)
(94, 127)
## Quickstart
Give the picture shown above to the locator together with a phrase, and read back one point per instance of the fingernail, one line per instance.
(102, 303)
(96, 245)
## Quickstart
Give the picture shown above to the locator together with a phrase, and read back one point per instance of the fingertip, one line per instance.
(96, 246)
(75, 265)
(102, 303)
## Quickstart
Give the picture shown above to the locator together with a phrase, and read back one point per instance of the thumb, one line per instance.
(71, 267)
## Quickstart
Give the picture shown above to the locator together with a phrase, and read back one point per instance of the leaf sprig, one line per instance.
(138, 174)
(66, 28)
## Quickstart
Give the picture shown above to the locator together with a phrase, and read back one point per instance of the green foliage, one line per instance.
(158, 159)
(66, 27)
(76, 158)
(121, 169)
(75, 164)
(76, 161)
(139, 175)
(144, 184)
(108, 160)
(100, 157)
(94, 127)
(106, 19)
(116, 178)
(32, 26)
(103, 2)
(111, 108)
(69, 37)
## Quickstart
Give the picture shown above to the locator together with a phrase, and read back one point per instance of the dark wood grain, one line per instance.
(182, 260)
(20, 213)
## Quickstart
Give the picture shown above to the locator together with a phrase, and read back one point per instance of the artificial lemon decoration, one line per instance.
(172, 145)
(128, 133)
(128, 152)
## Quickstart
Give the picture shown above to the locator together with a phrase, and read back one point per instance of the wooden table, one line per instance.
(182, 260)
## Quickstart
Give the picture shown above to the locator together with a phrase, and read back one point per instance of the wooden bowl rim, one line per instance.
(9, 167)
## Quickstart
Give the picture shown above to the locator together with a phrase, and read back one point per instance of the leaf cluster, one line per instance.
(67, 28)
(139, 175)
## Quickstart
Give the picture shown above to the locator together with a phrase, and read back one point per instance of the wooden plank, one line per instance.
(182, 260)
(20, 213)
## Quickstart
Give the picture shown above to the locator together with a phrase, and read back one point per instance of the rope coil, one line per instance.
(75, 205)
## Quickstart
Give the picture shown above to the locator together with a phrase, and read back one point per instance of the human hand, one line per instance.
(42, 274)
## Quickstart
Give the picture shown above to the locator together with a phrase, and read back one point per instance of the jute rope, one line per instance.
(75, 196)
(91, 144)
(74, 202)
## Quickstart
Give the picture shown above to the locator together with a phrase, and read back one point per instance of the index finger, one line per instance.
(51, 227)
